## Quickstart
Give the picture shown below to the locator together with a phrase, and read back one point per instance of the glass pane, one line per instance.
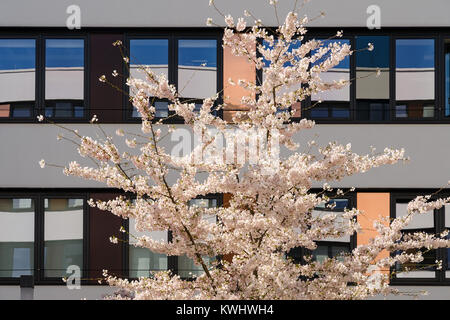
(21, 112)
(64, 76)
(197, 68)
(419, 221)
(186, 267)
(320, 254)
(319, 112)
(17, 238)
(17, 77)
(339, 252)
(63, 109)
(142, 261)
(414, 76)
(372, 92)
(337, 101)
(63, 235)
(447, 76)
(424, 269)
(153, 54)
(340, 222)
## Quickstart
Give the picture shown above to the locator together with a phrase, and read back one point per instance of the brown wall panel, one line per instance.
(102, 253)
(105, 101)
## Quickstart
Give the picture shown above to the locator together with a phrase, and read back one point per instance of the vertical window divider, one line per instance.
(392, 70)
(126, 112)
(40, 73)
(219, 74)
(125, 249)
(40, 237)
(352, 115)
(440, 77)
(37, 224)
(85, 272)
(87, 71)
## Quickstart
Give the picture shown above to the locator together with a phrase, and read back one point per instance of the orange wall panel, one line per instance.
(375, 206)
(235, 68)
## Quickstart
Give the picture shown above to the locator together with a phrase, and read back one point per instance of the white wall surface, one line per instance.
(96, 292)
(57, 292)
(428, 145)
(193, 13)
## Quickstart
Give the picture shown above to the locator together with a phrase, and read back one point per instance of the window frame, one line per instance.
(172, 261)
(352, 203)
(22, 36)
(439, 34)
(439, 226)
(393, 80)
(39, 213)
(173, 36)
(39, 98)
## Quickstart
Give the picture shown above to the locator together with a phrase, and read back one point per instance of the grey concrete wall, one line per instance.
(428, 146)
(92, 292)
(97, 292)
(193, 13)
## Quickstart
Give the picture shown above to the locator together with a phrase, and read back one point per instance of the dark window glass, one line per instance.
(142, 261)
(335, 103)
(17, 77)
(372, 92)
(420, 223)
(64, 78)
(328, 247)
(63, 235)
(414, 77)
(447, 77)
(153, 54)
(297, 105)
(17, 237)
(197, 68)
(186, 266)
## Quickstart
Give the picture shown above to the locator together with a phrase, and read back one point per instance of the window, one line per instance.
(332, 247)
(17, 217)
(372, 93)
(42, 75)
(261, 74)
(328, 247)
(17, 78)
(197, 68)
(63, 235)
(420, 223)
(407, 87)
(436, 222)
(186, 267)
(414, 78)
(191, 64)
(142, 262)
(64, 78)
(335, 103)
(154, 54)
(43, 236)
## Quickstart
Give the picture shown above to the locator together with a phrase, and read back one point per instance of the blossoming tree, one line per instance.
(271, 204)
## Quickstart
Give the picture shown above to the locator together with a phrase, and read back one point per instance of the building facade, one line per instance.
(46, 68)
